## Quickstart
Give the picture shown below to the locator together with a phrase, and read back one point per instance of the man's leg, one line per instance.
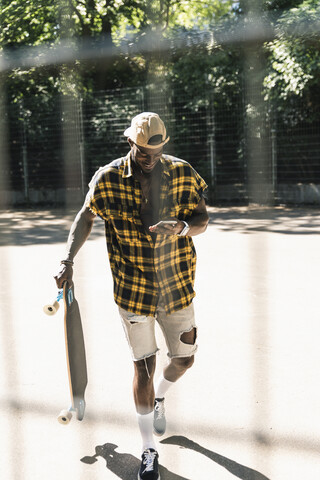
(180, 333)
(176, 368)
(143, 391)
(139, 330)
(143, 394)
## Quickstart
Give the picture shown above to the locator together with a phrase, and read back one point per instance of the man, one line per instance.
(152, 205)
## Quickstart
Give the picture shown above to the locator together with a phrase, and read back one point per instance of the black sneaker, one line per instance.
(159, 419)
(149, 469)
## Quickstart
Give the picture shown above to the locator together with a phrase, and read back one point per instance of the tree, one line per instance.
(33, 23)
(294, 61)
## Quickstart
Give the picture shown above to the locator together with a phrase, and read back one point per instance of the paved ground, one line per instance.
(250, 407)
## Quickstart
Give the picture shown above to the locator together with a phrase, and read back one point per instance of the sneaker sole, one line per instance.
(139, 478)
(158, 434)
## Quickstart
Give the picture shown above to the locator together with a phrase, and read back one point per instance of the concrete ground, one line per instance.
(249, 409)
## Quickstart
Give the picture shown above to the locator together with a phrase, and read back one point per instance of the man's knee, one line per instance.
(190, 337)
(183, 363)
(144, 370)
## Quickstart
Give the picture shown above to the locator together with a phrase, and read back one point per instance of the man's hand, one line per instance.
(65, 274)
(170, 226)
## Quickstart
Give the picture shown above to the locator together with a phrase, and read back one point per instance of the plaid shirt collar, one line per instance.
(127, 166)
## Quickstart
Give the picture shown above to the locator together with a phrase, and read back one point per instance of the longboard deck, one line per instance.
(75, 351)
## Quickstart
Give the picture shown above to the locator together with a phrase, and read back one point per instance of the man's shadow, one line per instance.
(238, 470)
(126, 466)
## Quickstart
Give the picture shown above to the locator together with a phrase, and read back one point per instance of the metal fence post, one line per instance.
(81, 148)
(212, 146)
(5, 177)
(211, 141)
(142, 99)
(274, 163)
(24, 154)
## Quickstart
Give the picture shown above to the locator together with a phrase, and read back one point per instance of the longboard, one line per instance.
(75, 352)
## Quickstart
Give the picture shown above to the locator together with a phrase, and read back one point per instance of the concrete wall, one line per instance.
(299, 194)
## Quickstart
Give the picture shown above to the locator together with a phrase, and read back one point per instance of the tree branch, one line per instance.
(167, 13)
(75, 10)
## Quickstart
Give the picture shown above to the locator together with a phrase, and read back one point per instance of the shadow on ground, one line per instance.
(126, 466)
(238, 470)
(26, 227)
(304, 220)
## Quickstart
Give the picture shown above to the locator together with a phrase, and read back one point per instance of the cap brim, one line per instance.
(127, 132)
(154, 147)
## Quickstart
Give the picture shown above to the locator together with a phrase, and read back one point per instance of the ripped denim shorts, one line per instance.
(140, 332)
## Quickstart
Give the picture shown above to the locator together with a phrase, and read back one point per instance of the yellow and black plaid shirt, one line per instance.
(142, 269)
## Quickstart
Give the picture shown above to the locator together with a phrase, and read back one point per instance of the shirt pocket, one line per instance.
(122, 220)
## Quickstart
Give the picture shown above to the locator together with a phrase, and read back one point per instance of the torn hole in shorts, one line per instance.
(134, 319)
(186, 337)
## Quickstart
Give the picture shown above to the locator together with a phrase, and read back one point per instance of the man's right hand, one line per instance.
(65, 274)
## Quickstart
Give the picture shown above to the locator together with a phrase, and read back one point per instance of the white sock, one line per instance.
(145, 423)
(162, 386)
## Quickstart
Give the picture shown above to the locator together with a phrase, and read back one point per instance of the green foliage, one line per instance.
(166, 15)
(294, 61)
(291, 68)
(280, 4)
(197, 71)
(32, 22)
(27, 23)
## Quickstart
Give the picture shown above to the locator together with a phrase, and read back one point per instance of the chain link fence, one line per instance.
(57, 143)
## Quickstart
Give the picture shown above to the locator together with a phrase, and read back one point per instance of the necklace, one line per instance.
(145, 181)
(145, 192)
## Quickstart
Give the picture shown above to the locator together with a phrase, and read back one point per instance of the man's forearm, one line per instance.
(198, 223)
(79, 232)
(199, 219)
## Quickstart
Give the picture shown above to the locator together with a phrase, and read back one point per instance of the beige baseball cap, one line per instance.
(144, 127)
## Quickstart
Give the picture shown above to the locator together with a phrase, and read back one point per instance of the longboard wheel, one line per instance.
(64, 417)
(52, 308)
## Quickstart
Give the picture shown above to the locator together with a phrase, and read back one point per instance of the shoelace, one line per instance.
(148, 460)
(159, 408)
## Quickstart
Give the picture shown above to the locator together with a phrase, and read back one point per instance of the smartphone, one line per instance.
(167, 222)
(162, 223)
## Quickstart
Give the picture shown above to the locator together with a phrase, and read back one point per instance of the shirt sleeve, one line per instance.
(199, 185)
(96, 196)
